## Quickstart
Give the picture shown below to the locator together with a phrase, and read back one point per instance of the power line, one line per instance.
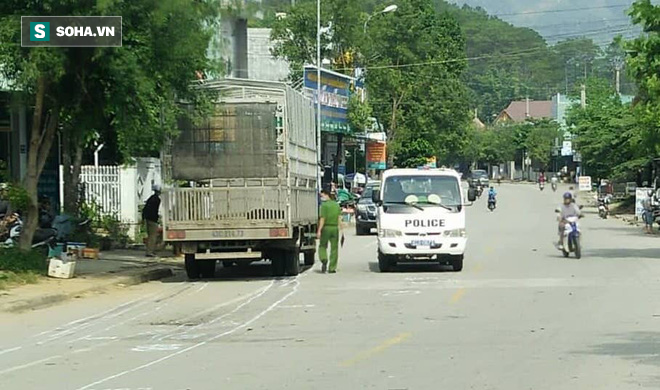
(552, 11)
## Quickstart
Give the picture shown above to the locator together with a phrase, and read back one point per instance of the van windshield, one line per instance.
(422, 191)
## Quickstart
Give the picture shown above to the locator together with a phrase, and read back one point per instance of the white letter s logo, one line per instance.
(40, 31)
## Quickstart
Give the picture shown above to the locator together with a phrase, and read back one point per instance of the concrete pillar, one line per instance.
(129, 202)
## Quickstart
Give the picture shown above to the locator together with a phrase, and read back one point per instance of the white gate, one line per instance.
(102, 187)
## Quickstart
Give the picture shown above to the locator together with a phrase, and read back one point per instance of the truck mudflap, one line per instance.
(182, 235)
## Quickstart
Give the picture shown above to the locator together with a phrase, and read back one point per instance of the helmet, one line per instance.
(568, 195)
(156, 187)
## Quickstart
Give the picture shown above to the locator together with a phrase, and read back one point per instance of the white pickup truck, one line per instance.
(421, 217)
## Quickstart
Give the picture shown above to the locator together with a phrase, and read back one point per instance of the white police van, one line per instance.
(421, 217)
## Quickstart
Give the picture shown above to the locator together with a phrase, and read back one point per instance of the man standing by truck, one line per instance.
(150, 216)
(329, 231)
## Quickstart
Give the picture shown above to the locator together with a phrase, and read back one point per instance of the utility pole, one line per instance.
(318, 83)
(583, 97)
(618, 66)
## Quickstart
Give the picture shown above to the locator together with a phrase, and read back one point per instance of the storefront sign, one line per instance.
(376, 155)
(336, 90)
(584, 183)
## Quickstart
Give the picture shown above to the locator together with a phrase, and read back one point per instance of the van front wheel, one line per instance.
(457, 263)
(385, 262)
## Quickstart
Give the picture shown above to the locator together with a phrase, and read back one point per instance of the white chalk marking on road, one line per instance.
(141, 302)
(202, 343)
(148, 312)
(34, 363)
(97, 338)
(296, 306)
(401, 292)
(252, 297)
(10, 350)
(156, 347)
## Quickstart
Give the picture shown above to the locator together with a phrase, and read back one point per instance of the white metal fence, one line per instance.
(102, 187)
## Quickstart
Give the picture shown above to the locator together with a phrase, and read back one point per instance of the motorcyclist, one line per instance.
(542, 180)
(567, 209)
(554, 180)
(492, 194)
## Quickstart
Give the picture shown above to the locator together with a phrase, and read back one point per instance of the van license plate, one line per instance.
(422, 243)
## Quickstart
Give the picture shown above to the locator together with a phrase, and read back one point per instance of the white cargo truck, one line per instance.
(245, 180)
(421, 217)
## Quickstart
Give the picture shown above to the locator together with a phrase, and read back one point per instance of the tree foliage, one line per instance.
(126, 95)
(606, 131)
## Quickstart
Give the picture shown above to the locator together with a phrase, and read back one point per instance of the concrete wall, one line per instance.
(261, 64)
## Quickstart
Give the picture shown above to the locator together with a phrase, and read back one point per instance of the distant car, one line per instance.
(365, 213)
(478, 177)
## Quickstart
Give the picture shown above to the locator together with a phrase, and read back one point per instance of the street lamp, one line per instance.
(388, 9)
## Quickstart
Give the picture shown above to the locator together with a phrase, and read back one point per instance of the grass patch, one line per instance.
(20, 267)
(11, 279)
(626, 206)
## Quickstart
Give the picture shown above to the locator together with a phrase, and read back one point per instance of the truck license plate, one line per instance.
(422, 244)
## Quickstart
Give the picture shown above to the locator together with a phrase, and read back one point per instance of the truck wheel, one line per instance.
(310, 257)
(207, 269)
(457, 263)
(292, 260)
(385, 262)
(192, 266)
(277, 263)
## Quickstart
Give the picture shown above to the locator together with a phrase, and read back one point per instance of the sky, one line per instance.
(557, 20)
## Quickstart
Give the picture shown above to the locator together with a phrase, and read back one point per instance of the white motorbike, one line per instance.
(571, 242)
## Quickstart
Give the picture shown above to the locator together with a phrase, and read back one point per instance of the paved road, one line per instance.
(519, 316)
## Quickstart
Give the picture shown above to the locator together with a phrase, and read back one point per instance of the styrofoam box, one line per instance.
(61, 269)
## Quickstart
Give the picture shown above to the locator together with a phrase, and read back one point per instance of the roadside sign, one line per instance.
(584, 183)
(641, 194)
(376, 155)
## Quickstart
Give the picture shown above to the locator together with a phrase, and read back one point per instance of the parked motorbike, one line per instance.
(67, 226)
(603, 207)
(43, 239)
(571, 240)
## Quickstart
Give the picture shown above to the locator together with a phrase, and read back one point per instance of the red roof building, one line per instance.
(522, 110)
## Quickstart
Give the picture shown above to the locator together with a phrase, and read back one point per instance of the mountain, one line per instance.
(556, 20)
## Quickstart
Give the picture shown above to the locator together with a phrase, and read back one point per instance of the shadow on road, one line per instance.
(413, 267)
(254, 272)
(641, 347)
(625, 253)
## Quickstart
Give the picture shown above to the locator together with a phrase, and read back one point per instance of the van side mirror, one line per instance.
(472, 194)
(375, 197)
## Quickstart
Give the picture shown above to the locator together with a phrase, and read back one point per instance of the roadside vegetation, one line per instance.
(20, 267)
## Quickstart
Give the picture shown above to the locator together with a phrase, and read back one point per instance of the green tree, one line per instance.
(129, 91)
(413, 78)
(606, 131)
(294, 37)
(540, 140)
(415, 153)
(359, 113)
